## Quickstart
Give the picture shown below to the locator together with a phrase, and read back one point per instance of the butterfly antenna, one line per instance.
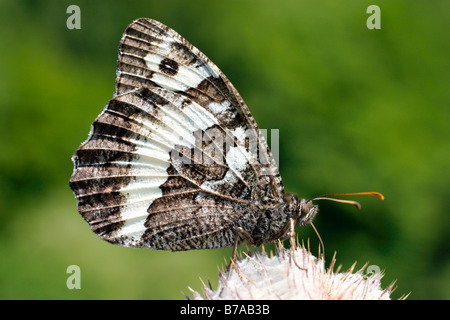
(356, 204)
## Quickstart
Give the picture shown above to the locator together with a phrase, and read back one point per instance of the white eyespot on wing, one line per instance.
(219, 107)
(229, 179)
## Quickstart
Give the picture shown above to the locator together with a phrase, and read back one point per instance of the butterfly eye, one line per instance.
(306, 212)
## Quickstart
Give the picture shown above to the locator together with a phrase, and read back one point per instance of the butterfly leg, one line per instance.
(240, 231)
(293, 242)
(292, 232)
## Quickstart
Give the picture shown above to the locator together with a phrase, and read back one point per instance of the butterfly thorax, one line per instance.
(274, 221)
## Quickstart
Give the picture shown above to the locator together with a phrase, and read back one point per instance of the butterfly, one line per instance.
(176, 161)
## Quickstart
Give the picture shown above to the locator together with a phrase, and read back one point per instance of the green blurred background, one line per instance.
(357, 110)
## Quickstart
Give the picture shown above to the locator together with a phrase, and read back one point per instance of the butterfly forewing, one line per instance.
(167, 164)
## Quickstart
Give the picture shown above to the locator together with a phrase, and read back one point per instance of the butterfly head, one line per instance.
(306, 212)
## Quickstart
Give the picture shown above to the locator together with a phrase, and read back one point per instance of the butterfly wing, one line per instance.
(166, 164)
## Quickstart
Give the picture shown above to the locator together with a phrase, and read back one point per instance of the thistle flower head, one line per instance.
(293, 274)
